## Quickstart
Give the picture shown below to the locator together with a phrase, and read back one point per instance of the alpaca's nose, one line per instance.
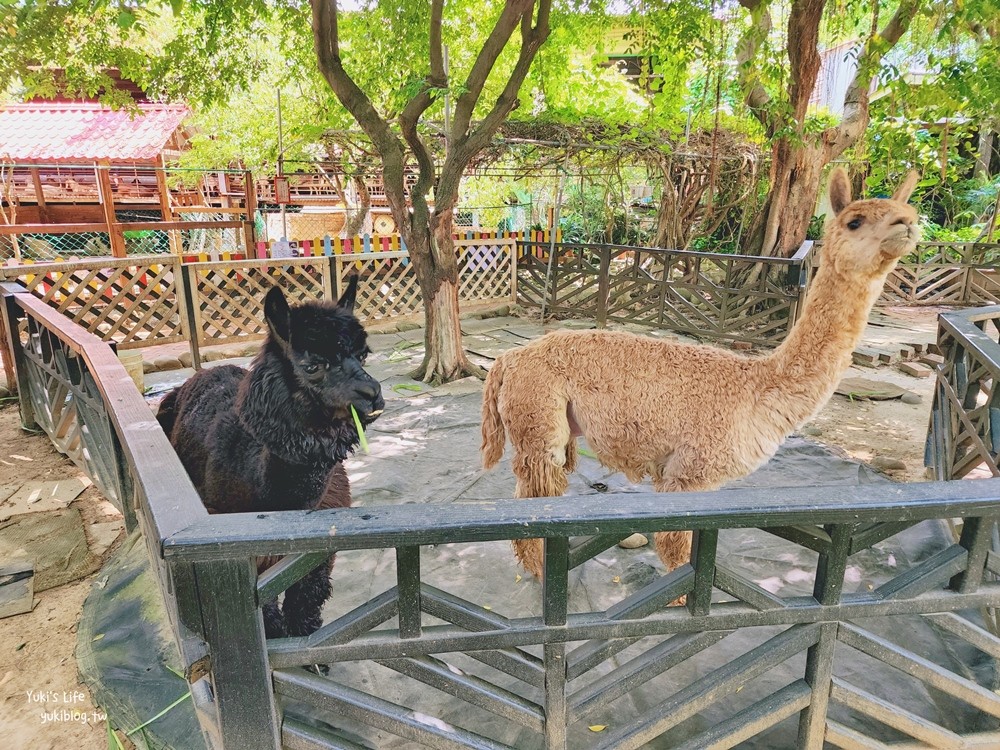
(367, 389)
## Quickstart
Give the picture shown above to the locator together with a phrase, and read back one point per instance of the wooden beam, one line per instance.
(166, 212)
(115, 234)
(43, 210)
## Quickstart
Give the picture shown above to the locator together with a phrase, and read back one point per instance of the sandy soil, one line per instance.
(37, 649)
(43, 706)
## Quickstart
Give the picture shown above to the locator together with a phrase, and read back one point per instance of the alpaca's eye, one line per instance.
(313, 367)
(855, 223)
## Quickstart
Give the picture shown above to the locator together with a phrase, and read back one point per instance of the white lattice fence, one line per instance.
(228, 297)
(486, 269)
(131, 301)
(387, 285)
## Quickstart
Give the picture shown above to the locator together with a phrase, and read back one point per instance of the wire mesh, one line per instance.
(44, 246)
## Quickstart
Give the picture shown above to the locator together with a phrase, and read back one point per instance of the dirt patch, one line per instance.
(43, 704)
(880, 433)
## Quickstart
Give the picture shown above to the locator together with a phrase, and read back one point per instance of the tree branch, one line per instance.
(803, 53)
(326, 40)
(464, 148)
(514, 11)
(755, 95)
(416, 107)
(855, 119)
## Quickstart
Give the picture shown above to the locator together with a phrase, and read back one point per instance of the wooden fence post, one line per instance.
(603, 286)
(246, 714)
(189, 295)
(115, 234)
(17, 375)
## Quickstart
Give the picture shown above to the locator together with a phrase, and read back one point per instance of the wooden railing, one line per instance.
(715, 295)
(530, 675)
(943, 273)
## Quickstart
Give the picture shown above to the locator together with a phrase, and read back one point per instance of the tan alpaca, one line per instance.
(691, 417)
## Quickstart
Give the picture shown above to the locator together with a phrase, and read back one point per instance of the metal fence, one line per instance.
(213, 238)
(546, 673)
(706, 294)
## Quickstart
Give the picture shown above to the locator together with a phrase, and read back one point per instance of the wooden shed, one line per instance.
(62, 160)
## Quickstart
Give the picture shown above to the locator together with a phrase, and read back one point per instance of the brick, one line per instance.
(866, 357)
(888, 358)
(916, 369)
(932, 360)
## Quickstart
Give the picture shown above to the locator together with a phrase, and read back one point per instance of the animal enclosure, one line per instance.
(545, 673)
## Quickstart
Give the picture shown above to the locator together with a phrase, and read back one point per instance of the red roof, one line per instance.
(86, 132)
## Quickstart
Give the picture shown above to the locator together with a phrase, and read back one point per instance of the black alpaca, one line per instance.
(274, 437)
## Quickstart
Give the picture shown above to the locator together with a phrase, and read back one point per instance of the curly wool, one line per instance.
(690, 417)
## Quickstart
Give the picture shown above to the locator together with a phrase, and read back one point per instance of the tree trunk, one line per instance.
(798, 161)
(432, 252)
(796, 172)
(356, 217)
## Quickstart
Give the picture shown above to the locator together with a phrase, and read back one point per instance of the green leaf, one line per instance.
(126, 19)
(360, 428)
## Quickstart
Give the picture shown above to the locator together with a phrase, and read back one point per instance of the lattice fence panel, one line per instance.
(710, 295)
(964, 440)
(133, 302)
(485, 269)
(229, 297)
(387, 284)
(67, 404)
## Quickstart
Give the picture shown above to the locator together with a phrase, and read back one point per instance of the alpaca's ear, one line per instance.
(905, 189)
(346, 300)
(277, 314)
(840, 190)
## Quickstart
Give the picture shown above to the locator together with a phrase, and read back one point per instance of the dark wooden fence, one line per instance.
(548, 673)
(714, 295)
(944, 273)
(964, 437)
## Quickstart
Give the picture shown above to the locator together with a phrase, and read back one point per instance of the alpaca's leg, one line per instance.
(537, 476)
(673, 547)
(305, 599)
(541, 480)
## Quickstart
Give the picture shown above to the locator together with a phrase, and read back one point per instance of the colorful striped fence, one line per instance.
(386, 243)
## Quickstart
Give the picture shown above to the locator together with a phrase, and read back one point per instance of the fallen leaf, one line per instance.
(597, 727)
(98, 637)
(616, 579)
(20, 458)
(517, 578)
(487, 606)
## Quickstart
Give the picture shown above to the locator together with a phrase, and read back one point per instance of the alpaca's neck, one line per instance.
(804, 370)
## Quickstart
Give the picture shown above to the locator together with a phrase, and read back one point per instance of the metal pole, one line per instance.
(281, 168)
